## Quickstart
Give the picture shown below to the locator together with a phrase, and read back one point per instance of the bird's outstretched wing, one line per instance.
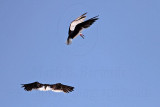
(78, 20)
(31, 86)
(87, 23)
(62, 88)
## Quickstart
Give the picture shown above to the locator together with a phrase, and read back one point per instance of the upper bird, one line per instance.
(78, 25)
(46, 87)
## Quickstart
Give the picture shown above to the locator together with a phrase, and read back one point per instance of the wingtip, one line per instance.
(96, 17)
(84, 14)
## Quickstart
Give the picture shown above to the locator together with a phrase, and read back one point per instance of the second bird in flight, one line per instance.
(78, 25)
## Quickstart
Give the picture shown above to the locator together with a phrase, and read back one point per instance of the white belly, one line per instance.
(45, 89)
(57, 90)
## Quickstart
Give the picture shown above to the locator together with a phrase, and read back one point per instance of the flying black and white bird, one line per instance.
(58, 87)
(78, 25)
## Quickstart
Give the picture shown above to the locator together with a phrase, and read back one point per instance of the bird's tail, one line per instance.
(69, 41)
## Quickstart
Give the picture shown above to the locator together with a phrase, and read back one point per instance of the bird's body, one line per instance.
(78, 25)
(58, 87)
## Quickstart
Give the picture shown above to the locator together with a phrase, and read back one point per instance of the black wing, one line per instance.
(30, 86)
(61, 87)
(87, 23)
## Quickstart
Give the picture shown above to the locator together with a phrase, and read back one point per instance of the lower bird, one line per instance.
(58, 87)
(78, 25)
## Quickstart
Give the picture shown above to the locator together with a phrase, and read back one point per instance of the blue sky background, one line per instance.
(116, 65)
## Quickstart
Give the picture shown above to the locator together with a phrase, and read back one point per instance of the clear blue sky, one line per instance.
(116, 65)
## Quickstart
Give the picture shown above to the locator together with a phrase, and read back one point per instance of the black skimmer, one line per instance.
(78, 25)
(58, 87)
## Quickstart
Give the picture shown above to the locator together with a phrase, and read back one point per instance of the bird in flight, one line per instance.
(78, 25)
(58, 87)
